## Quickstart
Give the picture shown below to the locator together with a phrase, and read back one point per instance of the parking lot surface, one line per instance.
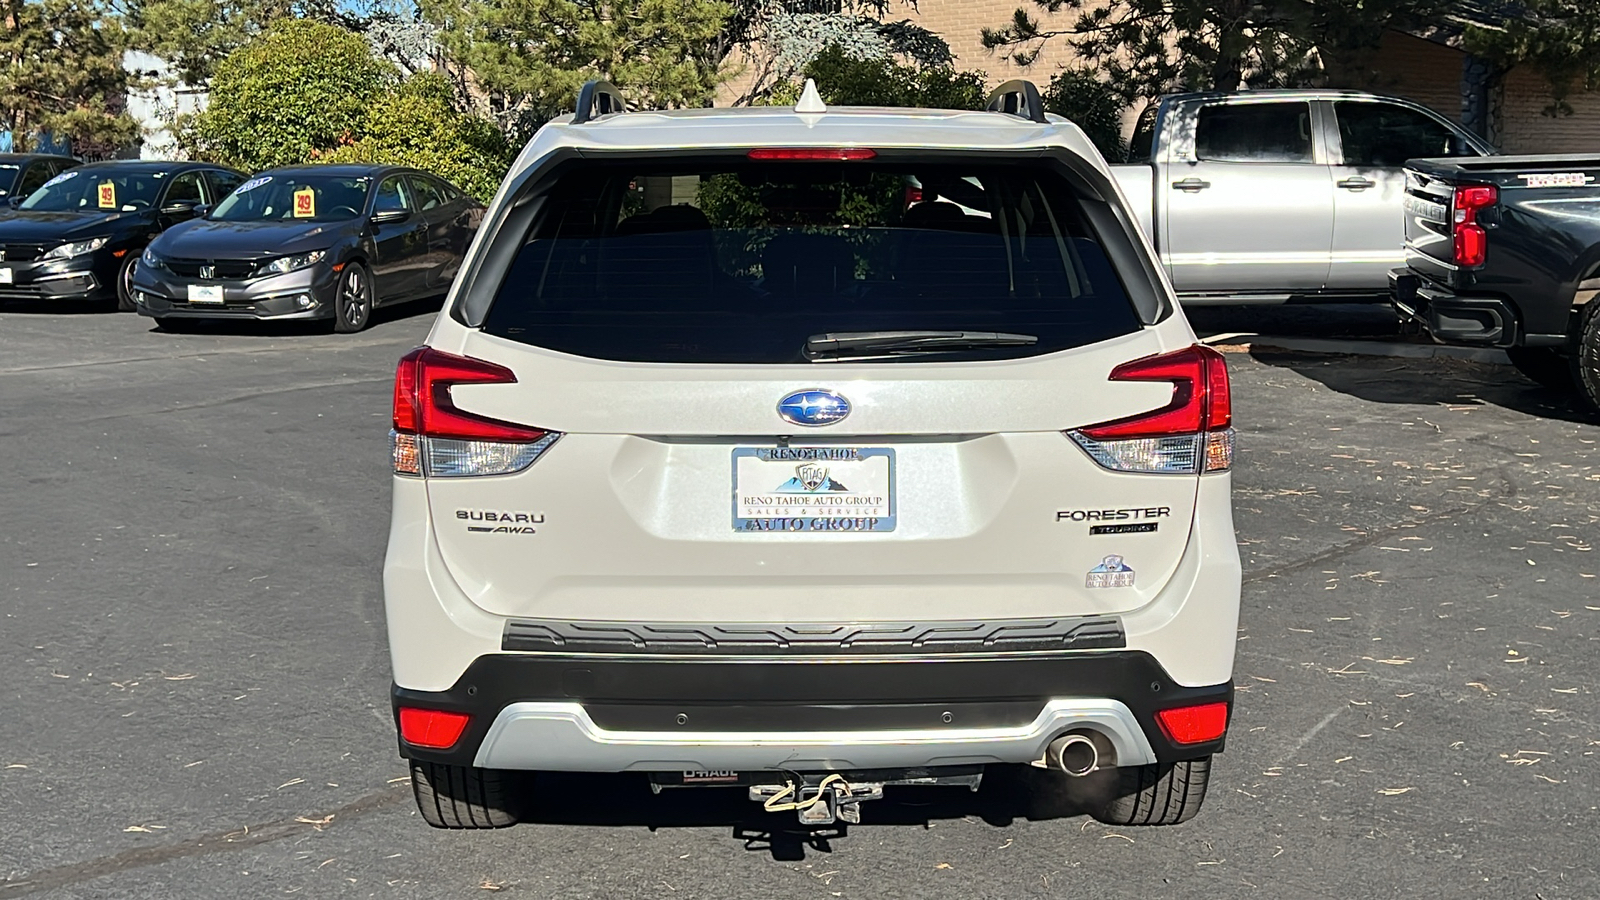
(195, 677)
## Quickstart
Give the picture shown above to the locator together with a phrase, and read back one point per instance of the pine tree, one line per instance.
(63, 75)
(534, 55)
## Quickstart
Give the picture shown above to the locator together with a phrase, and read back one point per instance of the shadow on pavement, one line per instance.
(1008, 793)
(59, 307)
(1366, 321)
(1435, 382)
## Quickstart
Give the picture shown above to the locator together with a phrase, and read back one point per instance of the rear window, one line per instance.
(744, 262)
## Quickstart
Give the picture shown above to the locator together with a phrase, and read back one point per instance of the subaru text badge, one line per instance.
(813, 408)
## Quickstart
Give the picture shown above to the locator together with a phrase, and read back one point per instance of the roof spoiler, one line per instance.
(1018, 98)
(600, 98)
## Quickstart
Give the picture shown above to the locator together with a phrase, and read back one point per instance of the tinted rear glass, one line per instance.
(744, 262)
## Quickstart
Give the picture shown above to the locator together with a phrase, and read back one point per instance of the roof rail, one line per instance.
(598, 98)
(1018, 98)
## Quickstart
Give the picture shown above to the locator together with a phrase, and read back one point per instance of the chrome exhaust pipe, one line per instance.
(1075, 754)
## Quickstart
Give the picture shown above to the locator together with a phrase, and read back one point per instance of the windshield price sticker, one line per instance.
(812, 489)
(108, 195)
(64, 176)
(252, 184)
(305, 203)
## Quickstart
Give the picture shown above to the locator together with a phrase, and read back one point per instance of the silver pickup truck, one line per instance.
(1279, 195)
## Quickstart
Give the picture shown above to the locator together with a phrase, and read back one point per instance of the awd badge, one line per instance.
(1111, 573)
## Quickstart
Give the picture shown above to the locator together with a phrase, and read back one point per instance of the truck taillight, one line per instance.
(1471, 241)
(432, 436)
(1192, 433)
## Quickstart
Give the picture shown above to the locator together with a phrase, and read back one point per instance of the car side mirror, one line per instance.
(389, 216)
(181, 208)
(15, 202)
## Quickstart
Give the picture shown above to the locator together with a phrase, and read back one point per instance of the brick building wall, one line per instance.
(1522, 126)
(1431, 73)
(1404, 66)
(961, 24)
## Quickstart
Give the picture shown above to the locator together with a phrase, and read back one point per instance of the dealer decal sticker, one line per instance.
(64, 176)
(108, 195)
(1111, 573)
(252, 184)
(1557, 179)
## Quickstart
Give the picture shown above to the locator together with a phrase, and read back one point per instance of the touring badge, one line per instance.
(1111, 573)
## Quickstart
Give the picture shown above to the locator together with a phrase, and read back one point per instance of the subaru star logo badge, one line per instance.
(813, 408)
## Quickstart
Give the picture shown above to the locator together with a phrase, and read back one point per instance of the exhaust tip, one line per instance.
(1075, 754)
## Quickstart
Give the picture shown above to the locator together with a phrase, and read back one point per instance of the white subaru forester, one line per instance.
(805, 451)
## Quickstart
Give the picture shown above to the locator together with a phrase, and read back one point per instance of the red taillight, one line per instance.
(435, 729)
(814, 154)
(422, 403)
(1200, 396)
(1471, 241)
(1194, 724)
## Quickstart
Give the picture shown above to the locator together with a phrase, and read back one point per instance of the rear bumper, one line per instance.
(1451, 318)
(611, 713)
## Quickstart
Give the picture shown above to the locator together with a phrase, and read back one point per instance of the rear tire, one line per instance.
(1162, 794)
(1545, 365)
(462, 796)
(1585, 360)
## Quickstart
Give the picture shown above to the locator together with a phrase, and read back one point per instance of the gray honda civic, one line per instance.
(310, 242)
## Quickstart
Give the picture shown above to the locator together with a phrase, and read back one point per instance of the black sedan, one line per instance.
(23, 173)
(311, 242)
(80, 234)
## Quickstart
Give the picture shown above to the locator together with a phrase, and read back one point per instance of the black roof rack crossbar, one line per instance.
(1018, 98)
(600, 98)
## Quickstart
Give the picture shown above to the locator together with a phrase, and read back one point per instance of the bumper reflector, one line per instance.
(435, 729)
(1194, 724)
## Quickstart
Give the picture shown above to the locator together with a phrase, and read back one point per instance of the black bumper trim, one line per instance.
(1452, 318)
(811, 694)
(876, 638)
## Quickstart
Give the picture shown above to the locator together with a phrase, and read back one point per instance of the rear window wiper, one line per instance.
(892, 343)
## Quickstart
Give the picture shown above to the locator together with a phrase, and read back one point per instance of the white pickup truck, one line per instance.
(1281, 195)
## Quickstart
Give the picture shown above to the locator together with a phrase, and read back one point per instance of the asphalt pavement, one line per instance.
(194, 672)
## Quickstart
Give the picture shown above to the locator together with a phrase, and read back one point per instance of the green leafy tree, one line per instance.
(301, 88)
(778, 42)
(418, 125)
(845, 80)
(534, 55)
(63, 74)
(1094, 105)
(1148, 47)
(1559, 38)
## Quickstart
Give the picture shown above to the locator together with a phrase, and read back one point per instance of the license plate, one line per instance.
(8, 276)
(205, 293)
(813, 489)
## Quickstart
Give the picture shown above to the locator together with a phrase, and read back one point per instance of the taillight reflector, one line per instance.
(435, 729)
(1471, 241)
(1201, 398)
(422, 403)
(815, 154)
(1194, 724)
